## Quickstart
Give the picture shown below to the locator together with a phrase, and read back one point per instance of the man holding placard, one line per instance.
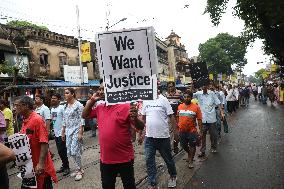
(34, 127)
(116, 149)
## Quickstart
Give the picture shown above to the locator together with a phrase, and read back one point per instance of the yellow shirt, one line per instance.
(194, 101)
(9, 116)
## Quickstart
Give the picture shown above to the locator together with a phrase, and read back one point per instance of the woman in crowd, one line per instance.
(72, 130)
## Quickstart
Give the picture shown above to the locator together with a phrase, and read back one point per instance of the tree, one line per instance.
(264, 19)
(223, 51)
(253, 79)
(259, 73)
(21, 24)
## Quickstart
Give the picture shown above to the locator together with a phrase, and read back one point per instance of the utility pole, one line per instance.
(79, 45)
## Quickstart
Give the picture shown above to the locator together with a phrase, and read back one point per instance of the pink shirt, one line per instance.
(115, 135)
(2, 125)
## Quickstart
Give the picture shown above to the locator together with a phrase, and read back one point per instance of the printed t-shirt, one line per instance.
(34, 128)
(157, 112)
(8, 114)
(57, 118)
(187, 117)
(44, 112)
(115, 133)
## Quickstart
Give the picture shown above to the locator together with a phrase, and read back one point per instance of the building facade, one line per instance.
(43, 54)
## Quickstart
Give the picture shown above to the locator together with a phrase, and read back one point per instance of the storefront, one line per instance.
(47, 88)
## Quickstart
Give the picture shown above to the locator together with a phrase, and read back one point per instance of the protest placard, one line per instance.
(128, 63)
(20, 145)
(199, 74)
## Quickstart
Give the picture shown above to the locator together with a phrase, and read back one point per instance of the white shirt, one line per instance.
(207, 103)
(231, 95)
(57, 118)
(44, 112)
(259, 89)
(223, 98)
(157, 112)
(236, 93)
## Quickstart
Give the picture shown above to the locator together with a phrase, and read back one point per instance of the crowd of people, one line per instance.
(185, 116)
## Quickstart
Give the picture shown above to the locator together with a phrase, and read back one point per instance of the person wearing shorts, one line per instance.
(188, 114)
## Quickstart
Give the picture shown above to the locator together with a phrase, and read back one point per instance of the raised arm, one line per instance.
(136, 122)
(6, 155)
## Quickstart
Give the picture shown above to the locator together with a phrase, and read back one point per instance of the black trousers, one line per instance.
(47, 184)
(62, 151)
(4, 178)
(109, 173)
(231, 106)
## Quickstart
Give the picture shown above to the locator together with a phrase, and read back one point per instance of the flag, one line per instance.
(199, 74)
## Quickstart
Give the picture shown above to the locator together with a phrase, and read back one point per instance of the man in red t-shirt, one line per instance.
(115, 123)
(34, 127)
(187, 115)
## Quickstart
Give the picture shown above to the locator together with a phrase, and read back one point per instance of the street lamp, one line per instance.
(121, 20)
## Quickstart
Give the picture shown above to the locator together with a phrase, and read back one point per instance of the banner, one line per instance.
(233, 78)
(219, 77)
(20, 145)
(86, 52)
(273, 67)
(73, 74)
(224, 77)
(128, 62)
(199, 74)
(211, 76)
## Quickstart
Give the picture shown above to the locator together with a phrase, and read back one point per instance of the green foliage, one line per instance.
(258, 74)
(263, 19)
(253, 79)
(17, 23)
(223, 51)
(7, 68)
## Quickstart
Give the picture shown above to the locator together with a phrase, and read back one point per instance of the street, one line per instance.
(251, 155)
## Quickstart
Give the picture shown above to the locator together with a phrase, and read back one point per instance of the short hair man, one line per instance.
(208, 101)
(43, 110)
(117, 153)
(57, 112)
(187, 116)
(156, 114)
(34, 127)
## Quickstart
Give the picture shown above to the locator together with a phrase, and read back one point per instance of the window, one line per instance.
(43, 58)
(62, 61)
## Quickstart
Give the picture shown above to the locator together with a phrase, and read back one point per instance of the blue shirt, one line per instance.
(207, 103)
(56, 119)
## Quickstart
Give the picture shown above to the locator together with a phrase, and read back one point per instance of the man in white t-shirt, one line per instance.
(156, 114)
(43, 111)
(57, 112)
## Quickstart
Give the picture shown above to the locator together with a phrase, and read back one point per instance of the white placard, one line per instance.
(73, 74)
(20, 145)
(128, 63)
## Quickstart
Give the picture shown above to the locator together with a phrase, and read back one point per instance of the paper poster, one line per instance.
(128, 63)
(20, 145)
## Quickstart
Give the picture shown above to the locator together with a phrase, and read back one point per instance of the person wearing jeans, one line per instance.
(156, 114)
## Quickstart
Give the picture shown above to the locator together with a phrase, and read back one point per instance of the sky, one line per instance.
(189, 22)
